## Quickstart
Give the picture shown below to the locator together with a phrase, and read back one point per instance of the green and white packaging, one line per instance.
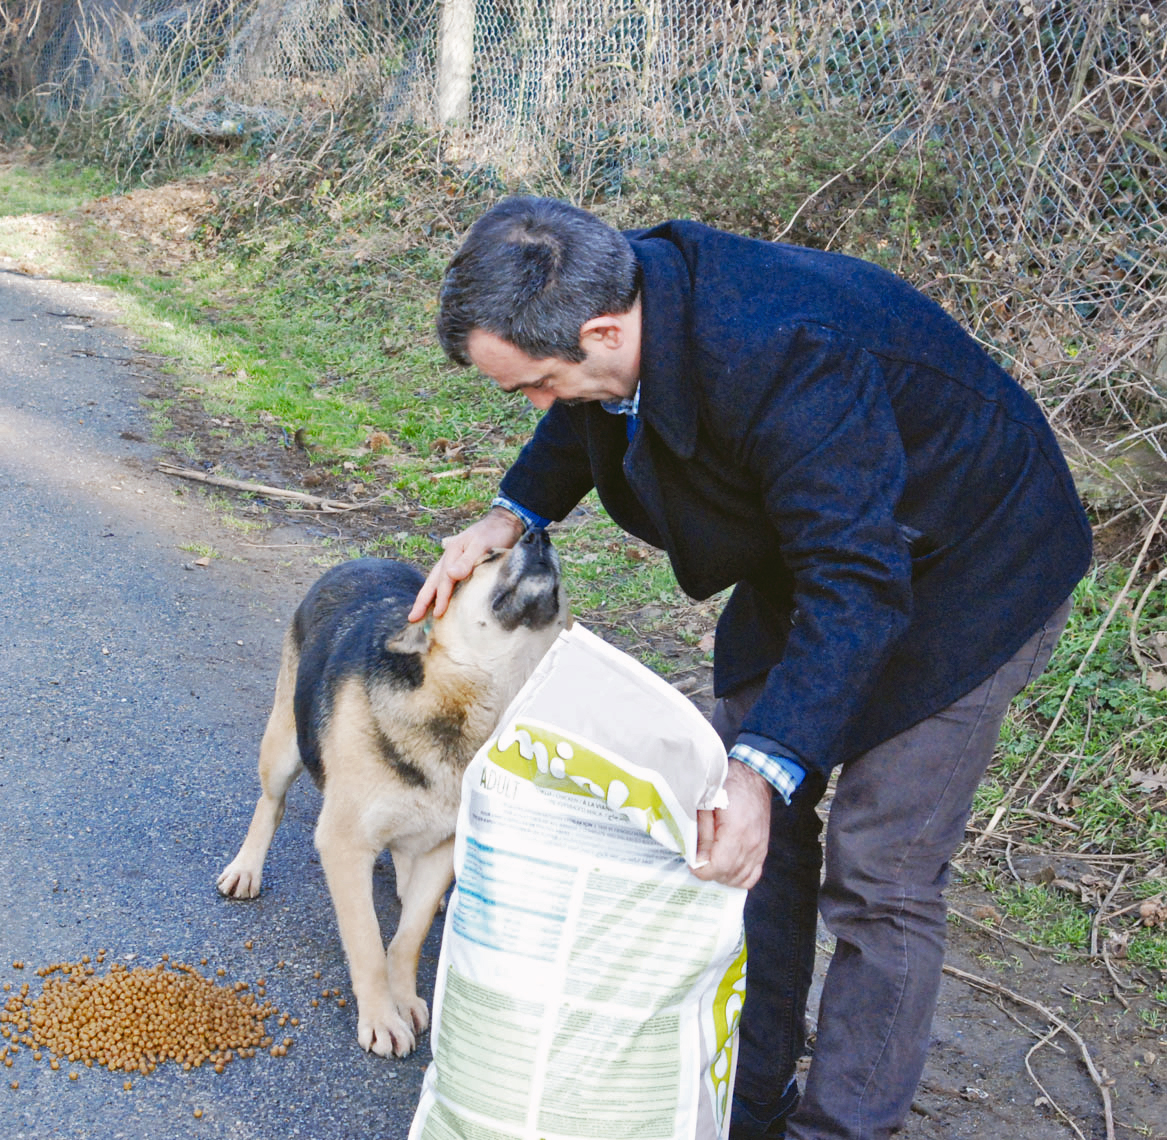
(589, 985)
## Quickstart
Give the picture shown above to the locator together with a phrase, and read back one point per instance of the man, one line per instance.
(901, 534)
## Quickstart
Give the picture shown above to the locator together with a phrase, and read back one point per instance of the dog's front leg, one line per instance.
(279, 765)
(429, 876)
(348, 867)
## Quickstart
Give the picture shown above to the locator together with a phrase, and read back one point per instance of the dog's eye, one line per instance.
(492, 556)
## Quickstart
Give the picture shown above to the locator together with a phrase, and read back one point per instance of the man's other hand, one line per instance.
(460, 554)
(733, 840)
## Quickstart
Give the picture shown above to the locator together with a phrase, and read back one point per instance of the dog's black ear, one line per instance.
(414, 638)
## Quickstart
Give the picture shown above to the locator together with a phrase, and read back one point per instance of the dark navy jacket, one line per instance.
(890, 506)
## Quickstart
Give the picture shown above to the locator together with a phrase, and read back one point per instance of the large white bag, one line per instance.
(589, 986)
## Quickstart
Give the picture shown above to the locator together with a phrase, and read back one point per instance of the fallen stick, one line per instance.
(1046, 817)
(1100, 913)
(464, 473)
(1060, 1026)
(1048, 1040)
(329, 506)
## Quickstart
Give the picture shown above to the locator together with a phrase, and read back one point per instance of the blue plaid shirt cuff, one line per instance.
(783, 773)
(528, 518)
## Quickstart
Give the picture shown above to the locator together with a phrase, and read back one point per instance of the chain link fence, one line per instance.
(1050, 118)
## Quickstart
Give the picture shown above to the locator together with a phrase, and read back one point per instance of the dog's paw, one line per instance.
(386, 1033)
(240, 881)
(414, 1009)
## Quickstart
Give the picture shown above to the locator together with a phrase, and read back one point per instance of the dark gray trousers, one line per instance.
(898, 815)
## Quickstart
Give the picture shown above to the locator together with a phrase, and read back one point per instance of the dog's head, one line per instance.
(513, 605)
(519, 587)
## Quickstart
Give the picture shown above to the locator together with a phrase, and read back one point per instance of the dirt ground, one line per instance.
(1023, 1045)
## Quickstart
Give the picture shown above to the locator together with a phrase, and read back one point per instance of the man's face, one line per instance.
(608, 372)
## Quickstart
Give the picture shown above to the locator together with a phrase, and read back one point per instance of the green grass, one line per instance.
(1048, 917)
(284, 323)
(1057, 918)
(1113, 726)
(50, 187)
(335, 353)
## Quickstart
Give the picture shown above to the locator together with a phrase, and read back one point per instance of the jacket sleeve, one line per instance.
(821, 442)
(552, 472)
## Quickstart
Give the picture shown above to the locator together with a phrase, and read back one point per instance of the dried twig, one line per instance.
(1060, 1026)
(464, 473)
(1046, 817)
(1047, 1039)
(1118, 984)
(329, 506)
(1100, 913)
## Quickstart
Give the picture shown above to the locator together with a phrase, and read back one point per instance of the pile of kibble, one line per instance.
(136, 1019)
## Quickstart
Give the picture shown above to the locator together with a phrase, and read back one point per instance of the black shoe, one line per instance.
(751, 1121)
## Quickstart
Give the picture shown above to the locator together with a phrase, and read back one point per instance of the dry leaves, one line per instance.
(1155, 649)
(1148, 782)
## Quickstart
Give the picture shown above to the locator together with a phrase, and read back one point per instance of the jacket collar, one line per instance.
(668, 400)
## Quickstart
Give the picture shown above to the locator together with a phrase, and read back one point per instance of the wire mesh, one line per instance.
(1051, 115)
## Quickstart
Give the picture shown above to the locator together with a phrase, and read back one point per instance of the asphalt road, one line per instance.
(134, 686)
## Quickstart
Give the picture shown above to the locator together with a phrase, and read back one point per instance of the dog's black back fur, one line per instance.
(342, 628)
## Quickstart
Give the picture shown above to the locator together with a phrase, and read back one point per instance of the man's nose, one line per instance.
(541, 400)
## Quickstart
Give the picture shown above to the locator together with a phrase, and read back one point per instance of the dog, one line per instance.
(385, 715)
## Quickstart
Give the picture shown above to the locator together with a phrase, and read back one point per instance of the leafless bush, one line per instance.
(1007, 157)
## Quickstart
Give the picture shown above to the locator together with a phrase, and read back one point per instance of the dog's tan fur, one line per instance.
(472, 670)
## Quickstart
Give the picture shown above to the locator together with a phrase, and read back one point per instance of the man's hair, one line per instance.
(533, 271)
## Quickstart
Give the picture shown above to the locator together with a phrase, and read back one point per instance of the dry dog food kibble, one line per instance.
(135, 1019)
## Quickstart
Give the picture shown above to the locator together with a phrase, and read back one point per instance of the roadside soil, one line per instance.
(1036, 1048)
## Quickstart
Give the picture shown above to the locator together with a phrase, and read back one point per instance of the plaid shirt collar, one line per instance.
(630, 406)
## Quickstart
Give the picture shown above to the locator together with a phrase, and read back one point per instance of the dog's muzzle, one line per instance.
(527, 591)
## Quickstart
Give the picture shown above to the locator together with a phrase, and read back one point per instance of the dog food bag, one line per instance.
(589, 985)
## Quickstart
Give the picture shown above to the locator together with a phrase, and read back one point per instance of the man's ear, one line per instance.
(414, 638)
(606, 329)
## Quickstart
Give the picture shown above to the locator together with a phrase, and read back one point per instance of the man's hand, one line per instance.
(734, 839)
(460, 554)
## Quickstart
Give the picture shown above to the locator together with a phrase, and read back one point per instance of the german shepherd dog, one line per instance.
(386, 715)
